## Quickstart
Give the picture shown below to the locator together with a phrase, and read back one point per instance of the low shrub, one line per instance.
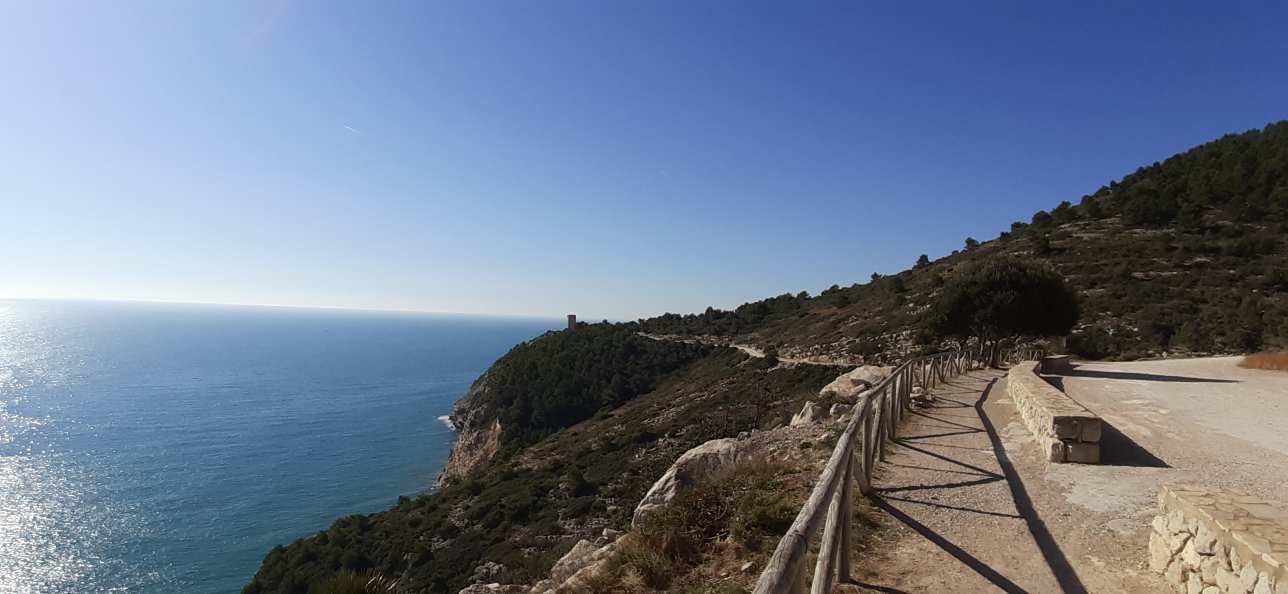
(747, 505)
(349, 582)
(1275, 361)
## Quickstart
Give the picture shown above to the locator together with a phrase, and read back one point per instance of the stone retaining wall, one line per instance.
(1066, 430)
(1216, 541)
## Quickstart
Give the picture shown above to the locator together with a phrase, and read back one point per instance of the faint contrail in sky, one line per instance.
(352, 130)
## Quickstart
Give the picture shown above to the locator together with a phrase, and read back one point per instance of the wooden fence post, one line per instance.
(825, 568)
(869, 433)
(847, 518)
(876, 419)
(882, 421)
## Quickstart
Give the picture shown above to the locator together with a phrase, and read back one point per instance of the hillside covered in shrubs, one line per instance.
(529, 505)
(562, 378)
(1185, 256)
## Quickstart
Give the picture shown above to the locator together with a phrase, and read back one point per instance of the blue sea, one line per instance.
(157, 448)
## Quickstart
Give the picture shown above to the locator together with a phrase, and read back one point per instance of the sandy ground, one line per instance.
(1208, 420)
(969, 506)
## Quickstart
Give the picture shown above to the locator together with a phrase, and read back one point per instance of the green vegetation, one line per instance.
(746, 317)
(1187, 255)
(738, 515)
(350, 582)
(544, 385)
(1004, 298)
(527, 507)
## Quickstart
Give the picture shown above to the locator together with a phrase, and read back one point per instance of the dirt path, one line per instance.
(967, 506)
(750, 350)
(1203, 421)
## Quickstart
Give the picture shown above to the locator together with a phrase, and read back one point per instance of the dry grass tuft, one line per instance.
(1276, 361)
(697, 544)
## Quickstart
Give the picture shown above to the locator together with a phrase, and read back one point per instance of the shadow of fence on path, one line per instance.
(980, 567)
(1055, 558)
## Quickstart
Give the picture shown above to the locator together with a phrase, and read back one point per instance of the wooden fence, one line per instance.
(874, 421)
(1023, 353)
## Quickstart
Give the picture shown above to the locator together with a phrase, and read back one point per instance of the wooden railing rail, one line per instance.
(1023, 353)
(873, 422)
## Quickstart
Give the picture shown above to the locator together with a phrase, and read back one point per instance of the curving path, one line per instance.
(751, 350)
(965, 505)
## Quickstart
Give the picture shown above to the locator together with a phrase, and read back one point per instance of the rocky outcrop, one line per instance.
(486, 572)
(576, 570)
(691, 468)
(808, 414)
(478, 434)
(581, 555)
(493, 589)
(473, 447)
(847, 387)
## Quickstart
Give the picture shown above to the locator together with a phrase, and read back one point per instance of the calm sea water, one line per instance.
(166, 448)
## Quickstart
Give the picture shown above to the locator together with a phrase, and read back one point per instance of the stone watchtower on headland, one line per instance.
(572, 321)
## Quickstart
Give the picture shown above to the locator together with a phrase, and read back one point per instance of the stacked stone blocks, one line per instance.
(1057, 364)
(1066, 431)
(1217, 541)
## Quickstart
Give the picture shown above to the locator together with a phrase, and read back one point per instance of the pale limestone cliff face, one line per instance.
(478, 435)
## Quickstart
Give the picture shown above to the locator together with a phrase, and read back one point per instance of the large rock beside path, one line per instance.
(847, 387)
(494, 589)
(691, 468)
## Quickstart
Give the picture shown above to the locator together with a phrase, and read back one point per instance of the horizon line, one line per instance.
(290, 306)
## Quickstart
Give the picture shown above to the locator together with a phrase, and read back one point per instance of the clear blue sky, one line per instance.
(611, 158)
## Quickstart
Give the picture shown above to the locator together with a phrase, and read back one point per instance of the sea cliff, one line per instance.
(478, 436)
(564, 435)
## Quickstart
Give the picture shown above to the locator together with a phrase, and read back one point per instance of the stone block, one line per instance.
(1159, 524)
(1091, 431)
(1248, 577)
(1190, 557)
(1193, 584)
(1057, 422)
(1054, 450)
(1205, 541)
(1160, 554)
(1066, 427)
(1082, 453)
(1227, 580)
(1056, 364)
(1265, 584)
(1175, 576)
(1079, 428)
(1208, 568)
(1176, 522)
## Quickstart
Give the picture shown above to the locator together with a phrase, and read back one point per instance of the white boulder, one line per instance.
(807, 415)
(691, 468)
(848, 386)
(493, 589)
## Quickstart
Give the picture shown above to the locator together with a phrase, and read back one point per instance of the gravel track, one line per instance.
(969, 506)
